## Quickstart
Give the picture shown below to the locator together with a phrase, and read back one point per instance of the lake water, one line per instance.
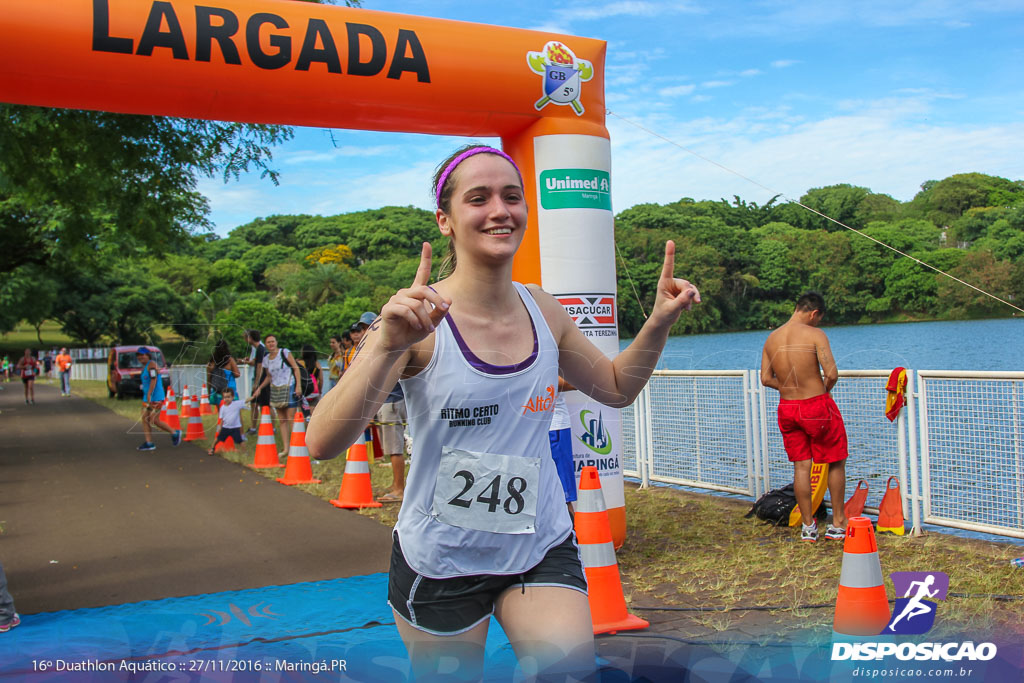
(948, 345)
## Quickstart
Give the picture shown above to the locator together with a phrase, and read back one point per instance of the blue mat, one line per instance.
(343, 630)
(342, 627)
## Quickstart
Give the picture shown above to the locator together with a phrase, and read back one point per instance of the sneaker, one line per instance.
(146, 446)
(835, 533)
(809, 532)
(11, 624)
(175, 437)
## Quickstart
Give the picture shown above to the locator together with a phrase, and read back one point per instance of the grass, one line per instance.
(693, 550)
(23, 336)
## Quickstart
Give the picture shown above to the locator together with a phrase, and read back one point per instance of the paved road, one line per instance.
(89, 521)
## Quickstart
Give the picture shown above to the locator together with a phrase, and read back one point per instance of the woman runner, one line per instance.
(483, 527)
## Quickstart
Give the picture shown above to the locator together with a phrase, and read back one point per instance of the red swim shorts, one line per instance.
(812, 428)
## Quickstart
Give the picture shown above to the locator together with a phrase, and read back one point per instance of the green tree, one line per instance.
(261, 257)
(911, 287)
(839, 202)
(85, 179)
(987, 273)
(28, 293)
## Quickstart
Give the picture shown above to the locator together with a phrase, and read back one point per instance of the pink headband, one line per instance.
(465, 155)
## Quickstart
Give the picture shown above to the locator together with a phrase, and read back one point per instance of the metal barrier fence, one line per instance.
(194, 376)
(972, 462)
(716, 430)
(89, 371)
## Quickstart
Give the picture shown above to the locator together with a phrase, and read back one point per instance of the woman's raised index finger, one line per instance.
(668, 270)
(423, 272)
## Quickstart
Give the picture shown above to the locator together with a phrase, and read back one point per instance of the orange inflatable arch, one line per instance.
(297, 63)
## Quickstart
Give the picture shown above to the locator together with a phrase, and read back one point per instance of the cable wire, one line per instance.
(815, 211)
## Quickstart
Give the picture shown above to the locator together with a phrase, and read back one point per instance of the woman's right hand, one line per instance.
(413, 313)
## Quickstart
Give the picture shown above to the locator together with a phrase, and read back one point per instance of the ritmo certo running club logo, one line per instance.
(914, 614)
(563, 72)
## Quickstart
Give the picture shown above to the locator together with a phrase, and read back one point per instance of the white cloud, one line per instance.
(332, 154)
(715, 84)
(677, 90)
(783, 63)
(873, 150)
(635, 8)
(747, 73)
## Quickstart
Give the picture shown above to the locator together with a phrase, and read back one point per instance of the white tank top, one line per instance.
(483, 495)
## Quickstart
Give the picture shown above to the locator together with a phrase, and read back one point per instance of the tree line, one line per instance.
(102, 230)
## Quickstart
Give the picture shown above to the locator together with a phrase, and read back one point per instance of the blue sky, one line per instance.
(790, 94)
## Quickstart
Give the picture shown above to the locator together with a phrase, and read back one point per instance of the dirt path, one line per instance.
(88, 520)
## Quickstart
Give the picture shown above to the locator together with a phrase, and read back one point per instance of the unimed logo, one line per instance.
(914, 614)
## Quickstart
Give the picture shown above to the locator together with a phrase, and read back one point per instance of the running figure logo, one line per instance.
(563, 75)
(914, 613)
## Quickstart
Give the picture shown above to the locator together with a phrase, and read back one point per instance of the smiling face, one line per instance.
(487, 212)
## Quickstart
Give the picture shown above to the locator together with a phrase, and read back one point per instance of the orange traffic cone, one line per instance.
(195, 430)
(855, 506)
(356, 489)
(594, 534)
(204, 401)
(890, 512)
(225, 446)
(266, 446)
(862, 608)
(172, 410)
(298, 469)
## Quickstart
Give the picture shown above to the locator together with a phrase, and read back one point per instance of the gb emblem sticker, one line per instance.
(563, 75)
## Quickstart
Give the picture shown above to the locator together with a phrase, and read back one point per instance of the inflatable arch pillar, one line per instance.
(296, 63)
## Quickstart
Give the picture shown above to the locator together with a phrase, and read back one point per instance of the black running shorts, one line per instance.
(448, 607)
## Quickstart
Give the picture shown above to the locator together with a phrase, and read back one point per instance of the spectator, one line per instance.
(221, 372)
(356, 333)
(256, 355)
(47, 363)
(336, 361)
(391, 419)
(282, 379)
(230, 421)
(316, 377)
(346, 346)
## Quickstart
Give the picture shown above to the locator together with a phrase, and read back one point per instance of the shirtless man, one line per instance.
(792, 362)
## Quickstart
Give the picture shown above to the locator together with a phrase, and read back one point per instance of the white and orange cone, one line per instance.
(862, 608)
(195, 430)
(356, 489)
(266, 446)
(594, 535)
(204, 401)
(298, 469)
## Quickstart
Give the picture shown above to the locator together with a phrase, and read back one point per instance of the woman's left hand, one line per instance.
(674, 295)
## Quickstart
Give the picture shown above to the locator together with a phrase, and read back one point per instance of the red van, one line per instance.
(123, 368)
